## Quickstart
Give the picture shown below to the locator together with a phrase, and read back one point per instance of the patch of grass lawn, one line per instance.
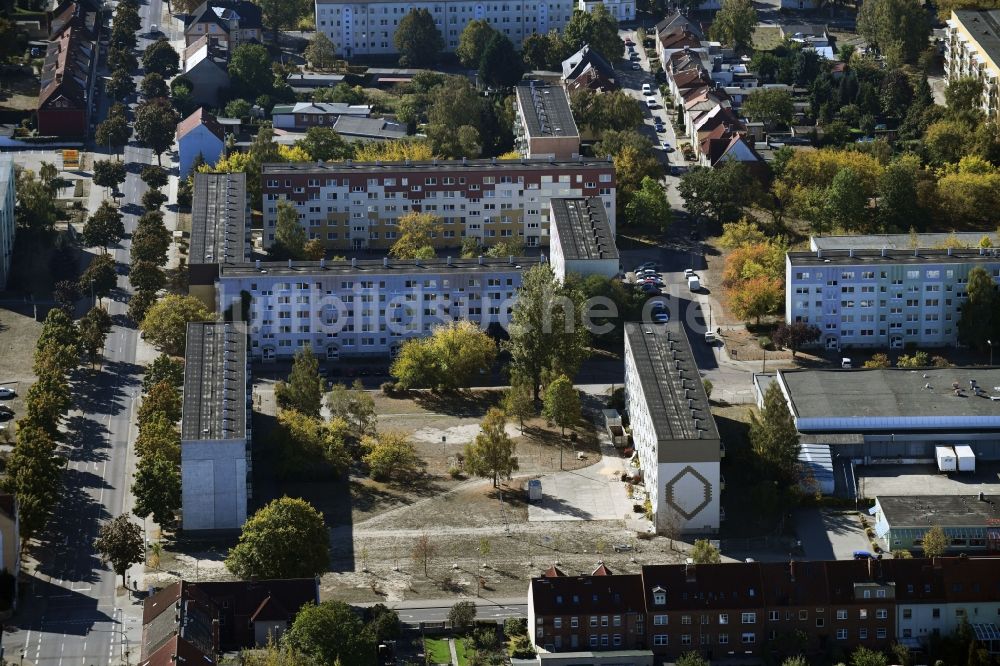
(437, 650)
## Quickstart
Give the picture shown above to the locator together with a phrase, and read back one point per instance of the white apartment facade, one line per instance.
(622, 10)
(7, 223)
(883, 298)
(673, 431)
(357, 205)
(972, 48)
(364, 308)
(368, 28)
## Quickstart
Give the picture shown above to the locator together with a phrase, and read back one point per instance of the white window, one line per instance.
(660, 620)
(723, 618)
(748, 618)
(748, 638)
(658, 639)
(841, 634)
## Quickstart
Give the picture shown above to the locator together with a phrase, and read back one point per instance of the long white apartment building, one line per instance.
(673, 430)
(368, 28)
(972, 48)
(215, 427)
(883, 298)
(364, 308)
(357, 205)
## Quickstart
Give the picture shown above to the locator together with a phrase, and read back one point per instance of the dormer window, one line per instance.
(659, 596)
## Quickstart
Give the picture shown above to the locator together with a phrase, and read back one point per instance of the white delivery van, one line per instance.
(946, 460)
(693, 283)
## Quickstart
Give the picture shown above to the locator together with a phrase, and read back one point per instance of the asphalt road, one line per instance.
(72, 611)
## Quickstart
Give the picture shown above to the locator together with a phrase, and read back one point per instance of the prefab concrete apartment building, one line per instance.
(673, 430)
(544, 127)
(582, 240)
(215, 427)
(368, 28)
(365, 308)
(972, 49)
(883, 298)
(357, 205)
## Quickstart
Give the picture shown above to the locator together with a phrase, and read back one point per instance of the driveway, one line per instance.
(591, 493)
(830, 535)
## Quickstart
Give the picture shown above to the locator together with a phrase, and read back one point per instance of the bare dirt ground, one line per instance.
(19, 93)
(18, 335)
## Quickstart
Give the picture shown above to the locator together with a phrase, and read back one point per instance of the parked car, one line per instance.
(647, 89)
(6, 416)
(645, 265)
(863, 555)
(675, 171)
(636, 66)
(650, 103)
(667, 147)
(7, 393)
(661, 317)
(688, 272)
(660, 129)
(649, 288)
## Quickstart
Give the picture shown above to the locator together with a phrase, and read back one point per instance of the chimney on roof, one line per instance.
(256, 264)
(385, 262)
(791, 570)
(884, 250)
(481, 260)
(289, 263)
(871, 568)
(354, 262)
(689, 573)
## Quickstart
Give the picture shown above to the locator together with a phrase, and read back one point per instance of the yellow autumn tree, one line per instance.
(818, 168)
(414, 241)
(394, 151)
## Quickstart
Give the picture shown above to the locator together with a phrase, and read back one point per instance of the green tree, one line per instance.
(519, 401)
(35, 210)
(282, 14)
(935, 542)
(355, 406)
(157, 490)
(285, 539)
(451, 358)
(159, 438)
(453, 119)
(165, 324)
(109, 173)
(33, 473)
(472, 42)
(649, 206)
(793, 336)
(289, 236)
(104, 228)
(324, 144)
(153, 199)
(491, 456)
(500, 65)
(154, 176)
(155, 125)
(846, 202)
(863, 656)
(596, 28)
(153, 85)
(703, 552)
(919, 359)
(150, 240)
(774, 439)
(462, 614)
(146, 276)
(602, 111)
(305, 442)
(721, 194)
(964, 96)
(734, 24)
(321, 54)
(772, 106)
(120, 542)
(303, 391)
(120, 85)
(250, 70)
(543, 51)
(139, 304)
(878, 361)
(898, 202)
(898, 28)
(160, 58)
(546, 331)
(331, 633)
(415, 236)
(113, 132)
(162, 398)
(390, 456)
(100, 276)
(239, 108)
(94, 328)
(418, 39)
(980, 314)
(691, 659)
(562, 403)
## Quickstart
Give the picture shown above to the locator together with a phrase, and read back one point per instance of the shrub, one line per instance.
(455, 472)
(388, 388)
(515, 626)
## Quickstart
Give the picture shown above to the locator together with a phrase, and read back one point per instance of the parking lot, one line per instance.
(830, 534)
(875, 480)
(592, 493)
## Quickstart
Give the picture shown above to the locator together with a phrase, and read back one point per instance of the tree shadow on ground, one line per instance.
(457, 403)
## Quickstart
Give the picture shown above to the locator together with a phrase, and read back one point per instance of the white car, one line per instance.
(661, 318)
(6, 393)
(646, 89)
(689, 272)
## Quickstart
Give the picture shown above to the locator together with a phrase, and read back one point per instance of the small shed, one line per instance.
(613, 423)
(816, 462)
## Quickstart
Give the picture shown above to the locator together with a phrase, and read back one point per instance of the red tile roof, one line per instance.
(198, 118)
(588, 594)
(66, 71)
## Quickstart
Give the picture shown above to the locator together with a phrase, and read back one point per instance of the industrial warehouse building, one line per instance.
(970, 522)
(893, 415)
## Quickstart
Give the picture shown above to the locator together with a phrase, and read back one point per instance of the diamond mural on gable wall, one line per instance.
(688, 492)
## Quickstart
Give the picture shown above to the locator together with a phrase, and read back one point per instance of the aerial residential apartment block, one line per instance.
(215, 427)
(582, 240)
(364, 308)
(673, 429)
(883, 298)
(219, 230)
(368, 28)
(544, 127)
(357, 205)
(972, 48)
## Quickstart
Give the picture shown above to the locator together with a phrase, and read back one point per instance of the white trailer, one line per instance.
(966, 458)
(946, 460)
(693, 283)
(534, 490)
